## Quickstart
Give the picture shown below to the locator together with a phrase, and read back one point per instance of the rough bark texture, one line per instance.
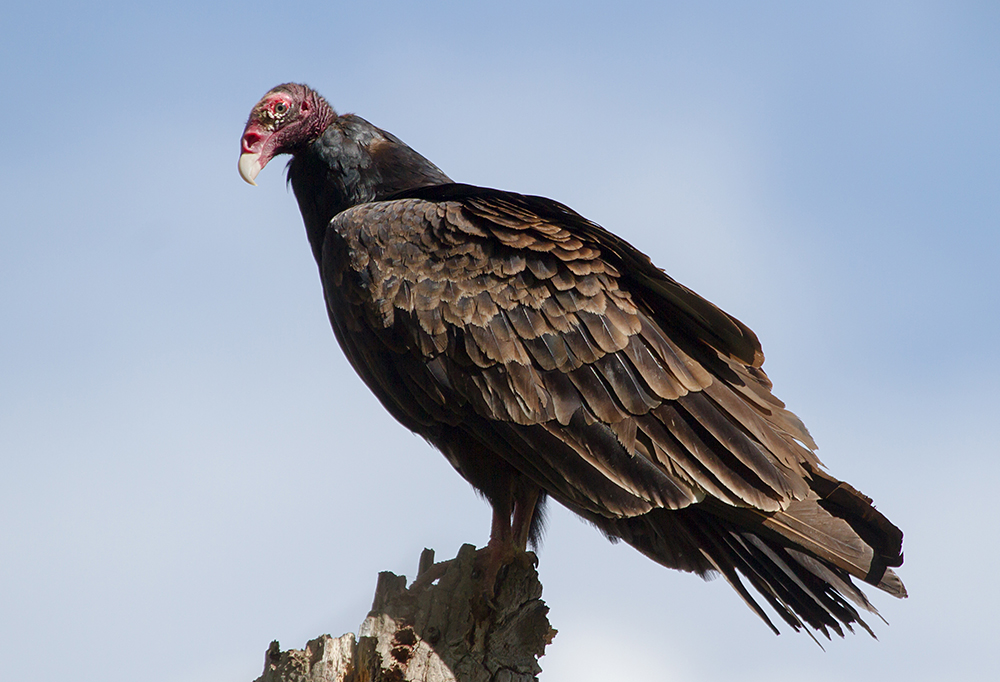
(439, 630)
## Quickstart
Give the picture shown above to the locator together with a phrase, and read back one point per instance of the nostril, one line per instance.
(250, 141)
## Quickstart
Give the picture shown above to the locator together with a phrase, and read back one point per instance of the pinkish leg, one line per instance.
(524, 510)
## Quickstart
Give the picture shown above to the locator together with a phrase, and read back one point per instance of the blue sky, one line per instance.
(190, 468)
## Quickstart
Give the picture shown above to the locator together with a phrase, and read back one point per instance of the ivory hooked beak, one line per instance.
(249, 166)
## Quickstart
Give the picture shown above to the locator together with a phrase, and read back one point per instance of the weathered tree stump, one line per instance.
(439, 630)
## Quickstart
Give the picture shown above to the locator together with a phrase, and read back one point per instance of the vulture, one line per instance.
(546, 357)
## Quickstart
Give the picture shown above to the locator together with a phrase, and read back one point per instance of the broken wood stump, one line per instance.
(444, 629)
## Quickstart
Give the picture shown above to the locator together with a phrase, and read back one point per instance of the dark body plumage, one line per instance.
(545, 356)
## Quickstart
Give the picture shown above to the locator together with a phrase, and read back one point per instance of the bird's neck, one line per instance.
(352, 163)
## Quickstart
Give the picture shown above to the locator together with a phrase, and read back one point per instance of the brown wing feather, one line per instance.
(563, 351)
(621, 362)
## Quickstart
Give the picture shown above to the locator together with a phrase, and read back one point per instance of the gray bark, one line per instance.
(442, 630)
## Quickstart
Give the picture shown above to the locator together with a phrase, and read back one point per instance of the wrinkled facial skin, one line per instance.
(268, 131)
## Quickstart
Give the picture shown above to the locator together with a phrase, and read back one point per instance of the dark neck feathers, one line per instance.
(352, 162)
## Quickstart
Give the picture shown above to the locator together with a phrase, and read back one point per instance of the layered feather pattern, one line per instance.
(519, 317)
(547, 357)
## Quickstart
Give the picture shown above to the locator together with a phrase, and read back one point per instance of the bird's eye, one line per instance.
(281, 108)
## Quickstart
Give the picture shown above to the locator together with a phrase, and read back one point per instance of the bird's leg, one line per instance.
(500, 548)
(509, 537)
(524, 512)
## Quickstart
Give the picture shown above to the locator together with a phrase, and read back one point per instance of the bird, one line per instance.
(548, 358)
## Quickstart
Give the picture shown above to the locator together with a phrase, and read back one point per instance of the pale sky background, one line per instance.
(189, 467)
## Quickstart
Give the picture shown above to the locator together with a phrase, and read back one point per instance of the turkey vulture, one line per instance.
(546, 357)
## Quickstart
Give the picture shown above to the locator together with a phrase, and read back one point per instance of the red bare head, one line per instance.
(288, 117)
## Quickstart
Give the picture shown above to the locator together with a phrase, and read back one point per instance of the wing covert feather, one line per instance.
(529, 324)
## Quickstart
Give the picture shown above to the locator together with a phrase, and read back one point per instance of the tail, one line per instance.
(801, 560)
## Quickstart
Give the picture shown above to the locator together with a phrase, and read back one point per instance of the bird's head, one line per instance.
(286, 119)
